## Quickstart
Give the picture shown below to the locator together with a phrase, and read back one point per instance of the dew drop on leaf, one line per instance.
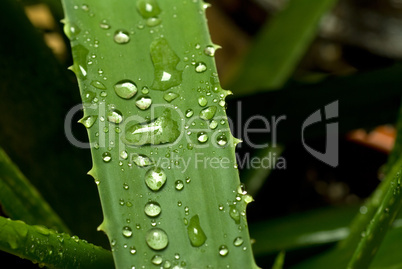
(115, 116)
(125, 89)
(238, 241)
(104, 25)
(148, 8)
(189, 113)
(153, 21)
(202, 137)
(142, 160)
(121, 37)
(127, 232)
(208, 113)
(106, 157)
(200, 67)
(195, 233)
(155, 178)
(209, 51)
(157, 260)
(202, 101)
(99, 85)
(157, 239)
(221, 140)
(88, 121)
(179, 185)
(170, 96)
(143, 102)
(213, 124)
(223, 250)
(152, 209)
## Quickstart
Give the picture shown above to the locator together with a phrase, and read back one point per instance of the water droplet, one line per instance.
(127, 232)
(71, 30)
(195, 233)
(133, 250)
(99, 85)
(213, 124)
(157, 239)
(152, 209)
(200, 67)
(202, 137)
(143, 102)
(202, 101)
(221, 207)
(177, 256)
(165, 61)
(167, 265)
(115, 116)
(104, 25)
(221, 140)
(223, 250)
(170, 96)
(88, 121)
(148, 8)
(80, 54)
(155, 178)
(106, 157)
(88, 97)
(125, 186)
(157, 260)
(121, 37)
(189, 113)
(209, 51)
(238, 241)
(179, 185)
(153, 21)
(160, 131)
(234, 214)
(188, 180)
(208, 113)
(142, 160)
(124, 155)
(125, 89)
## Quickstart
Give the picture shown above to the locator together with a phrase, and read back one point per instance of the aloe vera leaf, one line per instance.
(21, 201)
(279, 261)
(279, 46)
(36, 93)
(49, 248)
(388, 255)
(254, 178)
(145, 49)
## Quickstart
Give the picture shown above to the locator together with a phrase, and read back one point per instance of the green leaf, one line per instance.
(279, 46)
(153, 75)
(21, 201)
(279, 261)
(50, 249)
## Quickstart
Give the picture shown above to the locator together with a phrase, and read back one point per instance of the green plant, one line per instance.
(163, 154)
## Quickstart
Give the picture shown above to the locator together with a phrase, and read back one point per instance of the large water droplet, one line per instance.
(170, 96)
(106, 157)
(115, 116)
(195, 233)
(88, 121)
(157, 260)
(165, 61)
(160, 131)
(234, 213)
(152, 209)
(222, 140)
(157, 239)
(202, 101)
(125, 89)
(213, 124)
(142, 160)
(127, 232)
(189, 113)
(202, 137)
(209, 50)
(155, 178)
(121, 37)
(71, 30)
(148, 8)
(143, 102)
(238, 241)
(208, 113)
(223, 250)
(200, 67)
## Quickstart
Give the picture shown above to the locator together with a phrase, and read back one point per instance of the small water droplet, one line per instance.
(208, 113)
(115, 116)
(157, 260)
(127, 232)
(202, 137)
(143, 102)
(155, 178)
(106, 157)
(221, 140)
(221, 207)
(99, 85)
(234, 214)
(71, 30)
(153, 21)
(121, 37)
(177, 256)
(188, 180)
(179, 185)
(104, 25)
(213, 124)
(124, 155)
(170, 96)
(157, 239)
(88, 97)
(88, 121)
(133, 250)
(202, 101)
(142, 160)
(189, 113)
(238, 241)
(125, 186)
(223, 250)
(152, 209)
(200, 67)
(148, 8)
(167, 265)
(125, 89)
(195, 233)
(209, 51)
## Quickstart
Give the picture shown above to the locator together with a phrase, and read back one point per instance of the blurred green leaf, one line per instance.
(21, 201)
(279, 261)
(279, 46)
